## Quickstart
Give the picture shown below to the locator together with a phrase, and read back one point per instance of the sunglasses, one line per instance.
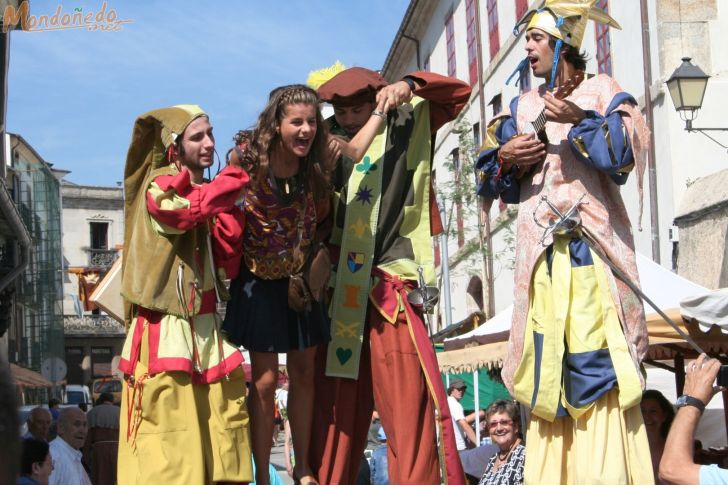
(502, 422)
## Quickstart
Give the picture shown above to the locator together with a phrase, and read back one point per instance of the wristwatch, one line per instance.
(410, 82)
(686, 400)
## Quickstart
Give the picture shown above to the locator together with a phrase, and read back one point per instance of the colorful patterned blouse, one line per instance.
(274, 230)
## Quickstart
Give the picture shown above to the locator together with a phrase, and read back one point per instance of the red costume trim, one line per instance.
(152, 320)
(205, 200)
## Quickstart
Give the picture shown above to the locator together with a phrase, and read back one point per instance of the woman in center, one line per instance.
(277, 299)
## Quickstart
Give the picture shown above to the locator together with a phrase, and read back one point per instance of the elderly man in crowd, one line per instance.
(66, 449)
(39, 423)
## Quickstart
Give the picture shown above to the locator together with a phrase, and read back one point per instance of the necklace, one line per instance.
(503, 456)
(287, 189)
(287, 184)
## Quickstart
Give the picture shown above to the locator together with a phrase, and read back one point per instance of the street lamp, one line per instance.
(687, 89)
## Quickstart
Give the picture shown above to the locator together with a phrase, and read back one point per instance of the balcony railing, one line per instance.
(101, 258)
(92, 325)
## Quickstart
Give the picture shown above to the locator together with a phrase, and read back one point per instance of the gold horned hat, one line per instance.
(566, 19)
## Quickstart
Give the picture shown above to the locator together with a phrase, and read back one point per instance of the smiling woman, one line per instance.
(505, 467)
(290, 157)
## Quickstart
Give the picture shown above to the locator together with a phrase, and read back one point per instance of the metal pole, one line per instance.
(652, 166)
(445, 309)
(476, 404)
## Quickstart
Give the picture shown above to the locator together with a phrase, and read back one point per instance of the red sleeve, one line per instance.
(205, 200)
(227, 240)
(447, 96)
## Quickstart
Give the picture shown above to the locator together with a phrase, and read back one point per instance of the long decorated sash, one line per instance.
(353, 276)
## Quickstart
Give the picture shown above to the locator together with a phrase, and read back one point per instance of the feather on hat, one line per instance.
(324, 75)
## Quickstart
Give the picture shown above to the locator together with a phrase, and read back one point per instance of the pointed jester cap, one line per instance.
(153, 133)
(566, 19)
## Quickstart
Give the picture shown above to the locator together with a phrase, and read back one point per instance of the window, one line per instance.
(450, 36)
(475, 290)
(521, 7)
(74, 363)
(99, 235)
(470, 16)
(493, 39)
(604, 46)
(476, 136)
(101, 361)
(455, 154)
(496, 103)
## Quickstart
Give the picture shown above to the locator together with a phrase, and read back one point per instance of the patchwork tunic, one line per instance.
(578, 334)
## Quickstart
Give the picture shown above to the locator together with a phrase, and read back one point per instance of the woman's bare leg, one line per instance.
(264, 366)
(300, 408)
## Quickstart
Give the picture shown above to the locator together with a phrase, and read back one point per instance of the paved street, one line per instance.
(276, 458)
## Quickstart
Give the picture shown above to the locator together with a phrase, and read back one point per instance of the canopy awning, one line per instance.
(27, 378)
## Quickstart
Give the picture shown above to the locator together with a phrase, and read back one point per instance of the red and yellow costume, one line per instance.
(184, 418)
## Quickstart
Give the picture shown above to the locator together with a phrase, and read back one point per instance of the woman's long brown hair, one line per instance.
(265, 135)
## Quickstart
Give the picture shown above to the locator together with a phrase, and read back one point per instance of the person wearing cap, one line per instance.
(455, 392)
(184, 416)
(384, 220)
(578, 334)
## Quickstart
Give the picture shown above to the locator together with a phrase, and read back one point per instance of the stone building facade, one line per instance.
(93, 231)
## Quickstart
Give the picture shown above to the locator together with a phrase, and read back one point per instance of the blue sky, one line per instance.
(74, 94)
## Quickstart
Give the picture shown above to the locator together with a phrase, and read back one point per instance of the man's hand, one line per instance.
(523, 151)
(298, 298)
(677, 465)
(333, 152)
(699, 378)
(395, 94)
(562, 110)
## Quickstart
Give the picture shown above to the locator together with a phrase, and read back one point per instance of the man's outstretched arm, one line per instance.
(447, 95)
(677, 465)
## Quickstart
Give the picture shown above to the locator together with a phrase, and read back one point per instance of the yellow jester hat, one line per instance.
(566, 21)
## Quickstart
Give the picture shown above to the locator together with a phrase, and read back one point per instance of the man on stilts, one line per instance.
(578, 335)
(380, 353)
